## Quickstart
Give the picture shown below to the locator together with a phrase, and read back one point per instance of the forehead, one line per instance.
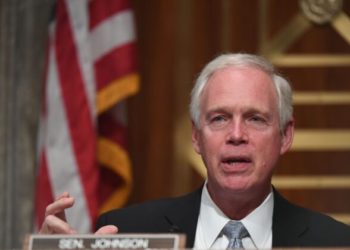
(239, 86)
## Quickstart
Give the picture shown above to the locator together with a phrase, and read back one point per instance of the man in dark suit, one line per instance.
(292, 226)
(242, 118)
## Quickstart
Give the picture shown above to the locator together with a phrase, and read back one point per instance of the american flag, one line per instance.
(90, 70)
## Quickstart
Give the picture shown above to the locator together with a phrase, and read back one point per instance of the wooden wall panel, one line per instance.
(151, 110)
(317, 176)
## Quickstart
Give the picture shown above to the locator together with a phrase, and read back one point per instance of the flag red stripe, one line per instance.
(44, 194)
(79, 116)
(101, 10)
(118, 62)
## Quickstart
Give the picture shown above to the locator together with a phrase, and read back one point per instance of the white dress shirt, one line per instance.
(211, 221)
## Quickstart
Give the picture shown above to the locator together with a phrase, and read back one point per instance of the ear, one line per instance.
(287, 137)
(195, 138)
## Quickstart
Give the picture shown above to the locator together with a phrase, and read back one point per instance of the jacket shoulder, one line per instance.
(307, 227)
(151, 216)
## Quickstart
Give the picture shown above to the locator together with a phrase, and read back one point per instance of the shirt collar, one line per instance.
(258, 222)
(212, 218)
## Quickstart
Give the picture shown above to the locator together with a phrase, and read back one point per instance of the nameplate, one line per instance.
(106, 242)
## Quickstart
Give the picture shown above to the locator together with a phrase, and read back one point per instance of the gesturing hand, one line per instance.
(55, 218)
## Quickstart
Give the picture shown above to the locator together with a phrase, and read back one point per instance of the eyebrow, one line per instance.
(216, 110)
(257, 111)
(247, 110)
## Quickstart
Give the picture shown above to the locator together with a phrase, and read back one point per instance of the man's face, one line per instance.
(239, 136)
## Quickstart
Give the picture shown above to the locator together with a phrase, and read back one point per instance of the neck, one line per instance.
(236, 206)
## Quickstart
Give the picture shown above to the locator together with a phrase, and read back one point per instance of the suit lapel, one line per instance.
(288, 224)
(183, 216)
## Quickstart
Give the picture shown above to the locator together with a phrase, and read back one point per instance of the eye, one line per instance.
(218, 121)
(257, 120)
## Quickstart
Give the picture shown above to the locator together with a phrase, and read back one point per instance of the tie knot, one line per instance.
(235, 230)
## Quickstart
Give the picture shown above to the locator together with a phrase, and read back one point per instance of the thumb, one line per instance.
(109, 229)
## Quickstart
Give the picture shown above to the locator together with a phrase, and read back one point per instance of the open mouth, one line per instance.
(236, 160)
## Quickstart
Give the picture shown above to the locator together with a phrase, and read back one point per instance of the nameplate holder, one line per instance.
(105, 242)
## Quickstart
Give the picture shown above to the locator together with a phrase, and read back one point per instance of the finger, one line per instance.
(63, 195)
(54, 225)
(109, 229)
(57, 207)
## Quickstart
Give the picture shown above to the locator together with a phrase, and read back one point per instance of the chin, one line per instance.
(237, 185)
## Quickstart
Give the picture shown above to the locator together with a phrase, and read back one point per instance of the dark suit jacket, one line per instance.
(292, 226)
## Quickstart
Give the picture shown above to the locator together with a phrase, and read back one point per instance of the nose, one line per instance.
(237, 133)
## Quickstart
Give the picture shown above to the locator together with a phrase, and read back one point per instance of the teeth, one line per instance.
(236, 161)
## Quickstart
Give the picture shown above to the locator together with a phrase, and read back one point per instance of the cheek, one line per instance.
(210, 147)
(213, 142)
(268, 150)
